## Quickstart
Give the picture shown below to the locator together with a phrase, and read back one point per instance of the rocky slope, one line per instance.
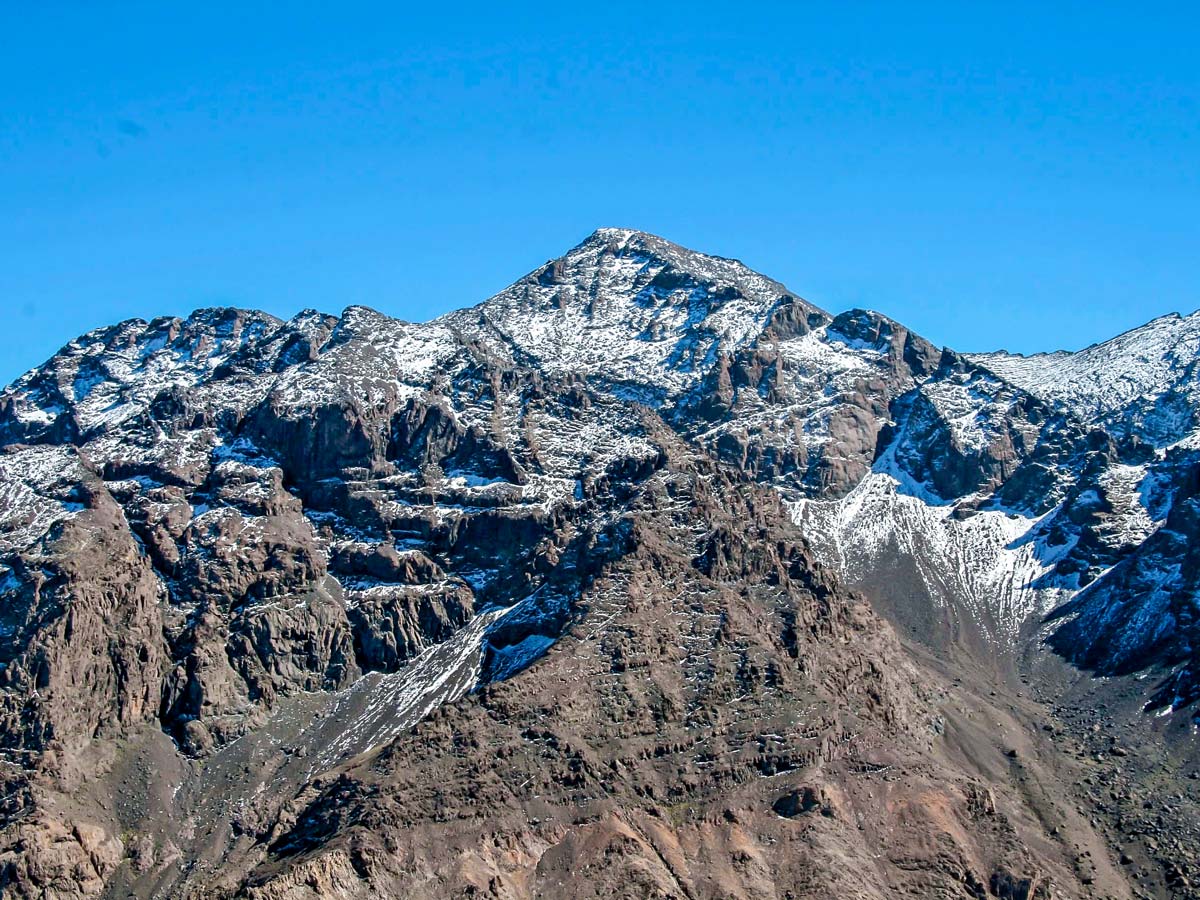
(556, 596)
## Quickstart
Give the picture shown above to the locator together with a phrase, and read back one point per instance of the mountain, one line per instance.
(644, 577)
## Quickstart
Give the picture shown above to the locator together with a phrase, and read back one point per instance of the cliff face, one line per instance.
(555, 597)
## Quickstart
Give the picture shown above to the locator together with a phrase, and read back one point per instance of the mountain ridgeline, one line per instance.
(643, 578)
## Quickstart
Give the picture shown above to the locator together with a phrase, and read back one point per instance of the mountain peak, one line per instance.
(625, 303)
(631, 240)
(606, 233)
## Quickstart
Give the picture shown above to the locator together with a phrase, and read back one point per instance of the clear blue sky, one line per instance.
(992, 175)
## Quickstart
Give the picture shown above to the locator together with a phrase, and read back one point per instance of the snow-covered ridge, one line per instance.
(1137, 368)
(108, 375)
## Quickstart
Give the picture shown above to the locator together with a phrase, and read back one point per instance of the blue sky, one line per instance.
(992, 175)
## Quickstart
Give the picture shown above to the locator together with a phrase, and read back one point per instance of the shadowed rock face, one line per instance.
(1145, 608)
(553, 597)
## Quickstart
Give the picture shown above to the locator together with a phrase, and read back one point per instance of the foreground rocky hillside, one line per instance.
(644, 577)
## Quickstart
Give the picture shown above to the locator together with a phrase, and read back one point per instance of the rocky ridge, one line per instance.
(615, 512)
